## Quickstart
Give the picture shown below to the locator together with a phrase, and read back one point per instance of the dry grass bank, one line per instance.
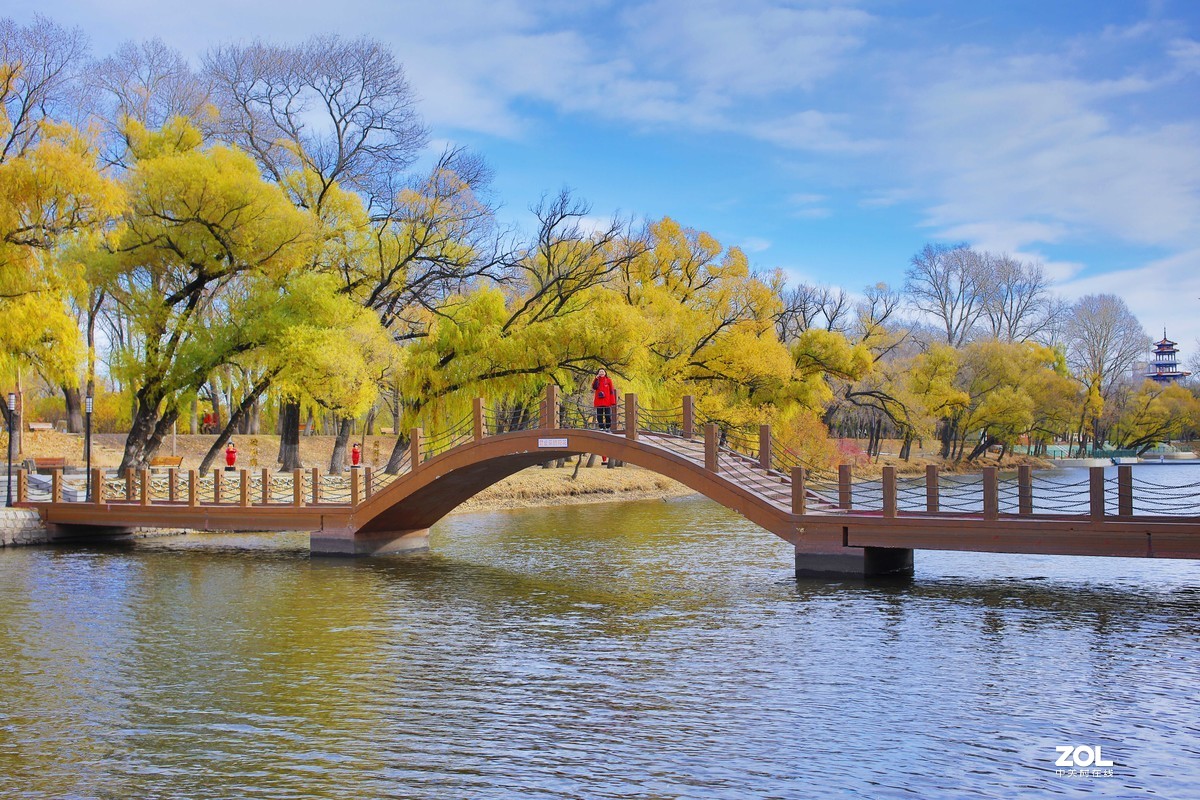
(919, 460)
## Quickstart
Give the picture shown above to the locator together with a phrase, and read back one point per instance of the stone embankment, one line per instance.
(21, 526)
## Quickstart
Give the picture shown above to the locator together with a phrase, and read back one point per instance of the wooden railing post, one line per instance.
(889, 491)
(193, 500)
(354, 487)
(98, 486)
(144, 489)
(689, 416)
(933, 494)
(1096, 492)
(297, 487)
(764, 446)
(129, 484)
(845, 487)
(316, 486)
(414, 449)
(172, 491)
(266, 487)
(56, 486)
(799, 492)
(22, 485)
(710, 448)
(244, 495)
(368, 490)
(1025, 489)
(217, 486)
(550, 408)
(477, 417)
(991, 493)
(1125, 490)
(631, 417)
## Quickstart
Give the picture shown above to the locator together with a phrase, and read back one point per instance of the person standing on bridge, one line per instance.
(604, 398)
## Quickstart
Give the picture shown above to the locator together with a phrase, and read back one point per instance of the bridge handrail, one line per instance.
(759, 464)
(495, 420)
(666, 421)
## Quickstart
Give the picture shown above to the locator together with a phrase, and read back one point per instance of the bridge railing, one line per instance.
(759, 463)
(1100, 494)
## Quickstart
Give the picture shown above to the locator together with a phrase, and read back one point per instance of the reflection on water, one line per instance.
(649, 650)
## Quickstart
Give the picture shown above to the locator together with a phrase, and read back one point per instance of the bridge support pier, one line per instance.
(854, 562)
(351, 544)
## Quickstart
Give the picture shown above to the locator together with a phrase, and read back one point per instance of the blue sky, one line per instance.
(830, 139)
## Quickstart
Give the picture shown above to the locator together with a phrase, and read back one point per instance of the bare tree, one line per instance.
(948, 282)
(875, 317)
(341, 110)
(1054, 332)
(1016, 298)
(151, 83)
(807, 306)
(40, 66)
(1104, 339)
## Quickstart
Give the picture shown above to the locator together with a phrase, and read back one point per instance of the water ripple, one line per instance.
(649, 650)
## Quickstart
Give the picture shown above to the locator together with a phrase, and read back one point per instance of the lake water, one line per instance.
(627, 650)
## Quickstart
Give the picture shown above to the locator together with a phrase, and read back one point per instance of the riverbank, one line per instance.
(550, 487)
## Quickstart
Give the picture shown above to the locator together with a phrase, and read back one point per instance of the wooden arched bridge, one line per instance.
(837, 527)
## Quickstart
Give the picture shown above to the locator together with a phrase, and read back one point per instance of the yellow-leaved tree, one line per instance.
(52, 198)
(201, 233)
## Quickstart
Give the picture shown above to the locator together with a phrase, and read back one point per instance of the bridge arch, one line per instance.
(399, 516)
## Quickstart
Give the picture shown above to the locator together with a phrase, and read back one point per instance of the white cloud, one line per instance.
(1164, 292)
(755, 244)
(750, 48)
(1045, 157)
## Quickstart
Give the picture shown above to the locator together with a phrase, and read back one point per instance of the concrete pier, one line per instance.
(381, 543)
(854, 562)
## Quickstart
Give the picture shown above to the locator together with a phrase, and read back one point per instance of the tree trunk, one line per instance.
(399, 451)
(74, 409)
(289, 437)
(982, 447)
(369, 427)
(236, 419)
(146, 431)
(337, 462)
(948, 438)
(215, 396)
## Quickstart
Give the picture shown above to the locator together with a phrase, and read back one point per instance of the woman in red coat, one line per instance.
(604, 398)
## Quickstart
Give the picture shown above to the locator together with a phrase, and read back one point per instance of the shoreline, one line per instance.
(538, 487)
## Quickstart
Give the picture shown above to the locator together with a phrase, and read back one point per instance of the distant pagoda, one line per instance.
(1164, 367)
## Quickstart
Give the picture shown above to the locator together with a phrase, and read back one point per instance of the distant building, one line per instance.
(1164, 365)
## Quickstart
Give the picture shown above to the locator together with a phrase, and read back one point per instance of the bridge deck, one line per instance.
(762, 480)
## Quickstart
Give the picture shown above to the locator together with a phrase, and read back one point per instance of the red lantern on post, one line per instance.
(230, 456)
(355, 456)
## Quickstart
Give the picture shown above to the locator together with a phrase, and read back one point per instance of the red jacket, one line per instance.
(604, 395)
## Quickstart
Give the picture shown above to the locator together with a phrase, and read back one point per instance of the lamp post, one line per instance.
(87, 446)
(12, 425)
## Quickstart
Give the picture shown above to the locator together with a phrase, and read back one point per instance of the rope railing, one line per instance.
(741, 457)
(667, 421)
(581, 415)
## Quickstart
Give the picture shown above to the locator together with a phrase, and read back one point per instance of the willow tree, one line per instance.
(713, 333)
(52, 198)
(202, 232)
(552, 319)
